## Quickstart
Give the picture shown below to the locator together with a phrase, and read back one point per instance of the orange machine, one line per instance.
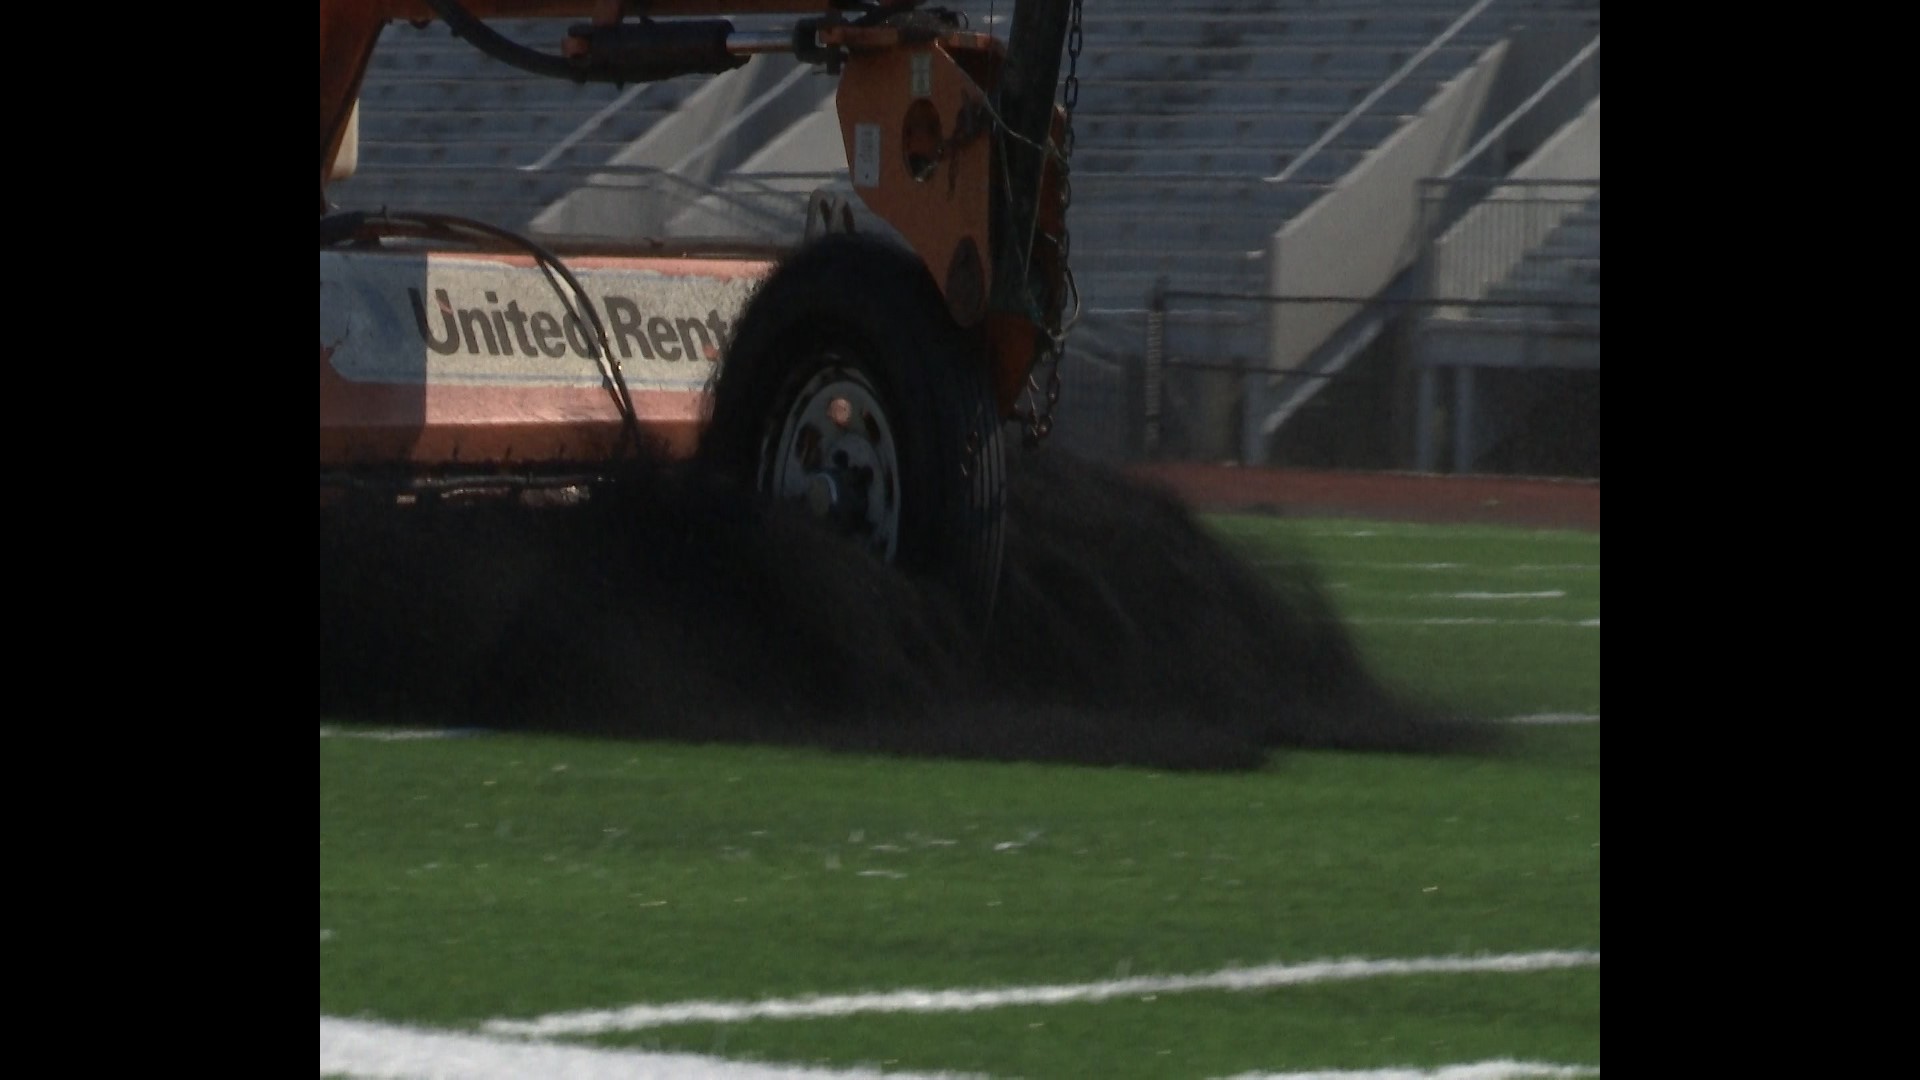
(866, 376)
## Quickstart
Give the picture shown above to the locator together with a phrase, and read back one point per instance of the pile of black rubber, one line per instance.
(672, 608)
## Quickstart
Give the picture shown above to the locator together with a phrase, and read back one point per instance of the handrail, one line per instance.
(1499, 130)
(586, 128)
(733, 122)
(593, 123)
(1379, 92)
(736, 191)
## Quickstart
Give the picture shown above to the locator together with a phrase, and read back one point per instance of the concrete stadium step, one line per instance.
(1304, 92)
(1184, 174)
(532, 125)
(381, 156)
(1175, 63)
(1240, 194)
(1224, 129)
(452, 188)
(1144, 100)
(1558, 272)
(1264, 29)
(1178, 262)
(1133, 289)
(1567, 289)
(1579, 233)
(1148, 227)
(1279, 8)
(1540, 306)
(502, 97)
(484, 95)
(1329, 164)
(423, 182)
(1228, 263)
(1574, 244)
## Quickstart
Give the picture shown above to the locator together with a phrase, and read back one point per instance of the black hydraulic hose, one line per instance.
(464, 24)
(619, 54)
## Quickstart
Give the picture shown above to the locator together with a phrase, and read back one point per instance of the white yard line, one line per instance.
(1389, 530)
(397, 734)
(1349, 564)
(368, 1050)
(400, 735)
(372, 1051)
(641, 1017)
(1476, 620)
(1324, 564)
(1479, 1070)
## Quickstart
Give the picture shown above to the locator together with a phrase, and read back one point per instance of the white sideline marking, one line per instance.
(1479, 1070)
(361, 1048)
(375, 1051)
(1392, 531)
(640, 1017)
(1476, 620)
(397, 734)
(1349, 564)
(1556, 718)
(1544, 594)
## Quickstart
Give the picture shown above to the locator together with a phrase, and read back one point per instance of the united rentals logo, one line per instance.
(497, 331)
(417, 320)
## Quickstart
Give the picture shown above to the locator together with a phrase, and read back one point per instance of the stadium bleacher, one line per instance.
(1200, 134)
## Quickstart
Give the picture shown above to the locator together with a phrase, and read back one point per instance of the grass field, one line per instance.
(495, 905)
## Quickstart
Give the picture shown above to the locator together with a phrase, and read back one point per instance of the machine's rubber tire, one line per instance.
(848, 346)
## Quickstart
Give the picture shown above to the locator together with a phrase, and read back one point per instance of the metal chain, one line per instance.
(1038, 419)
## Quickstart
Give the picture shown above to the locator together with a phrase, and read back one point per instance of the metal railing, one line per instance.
(1495, 249)
(1365, 104)
(1192, 386)
(1558, 100)
(753, 206)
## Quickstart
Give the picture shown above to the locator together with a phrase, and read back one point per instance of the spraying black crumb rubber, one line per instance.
(672, 607)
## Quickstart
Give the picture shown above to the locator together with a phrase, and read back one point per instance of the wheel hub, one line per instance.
(839, 495)
(834, 454)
